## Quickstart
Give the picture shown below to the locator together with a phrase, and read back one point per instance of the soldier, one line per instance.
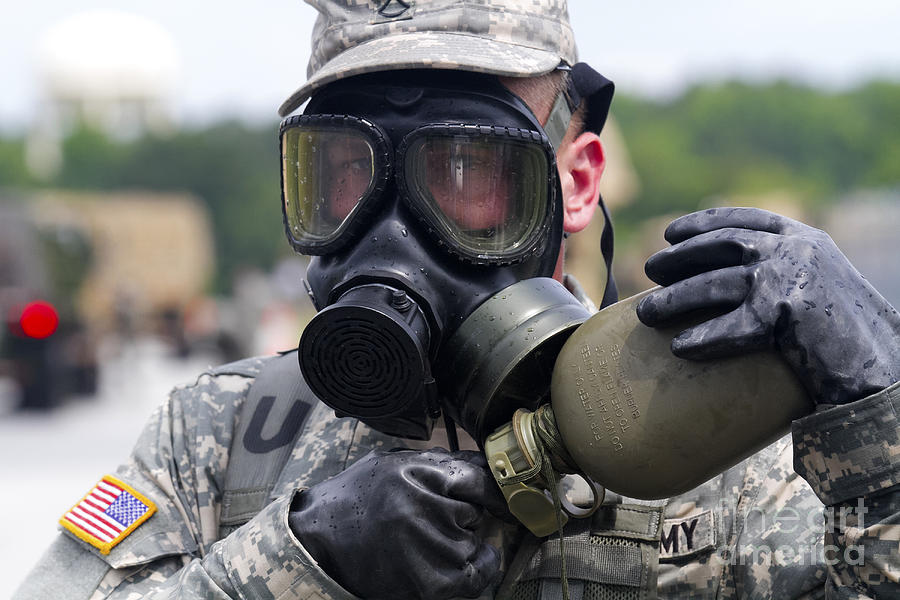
(421, 175)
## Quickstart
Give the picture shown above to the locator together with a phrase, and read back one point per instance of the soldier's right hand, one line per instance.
(403, 524)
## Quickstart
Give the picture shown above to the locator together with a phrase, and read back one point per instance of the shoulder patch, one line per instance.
(107, 514)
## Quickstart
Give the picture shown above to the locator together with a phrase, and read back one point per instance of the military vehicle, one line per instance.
(78, 267)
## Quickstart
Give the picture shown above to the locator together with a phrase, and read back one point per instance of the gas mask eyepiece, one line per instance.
(486, 193)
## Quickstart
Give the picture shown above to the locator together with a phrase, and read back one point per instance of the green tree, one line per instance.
(231, 167)
(736, 138)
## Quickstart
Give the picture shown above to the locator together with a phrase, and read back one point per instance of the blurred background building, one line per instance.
(140, 228)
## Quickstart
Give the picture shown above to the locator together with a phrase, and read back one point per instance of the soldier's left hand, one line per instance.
(781, 285)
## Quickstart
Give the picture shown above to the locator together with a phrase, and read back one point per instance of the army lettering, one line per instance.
(605, 394)
(669, 541)
(253, 438)
(684, 536)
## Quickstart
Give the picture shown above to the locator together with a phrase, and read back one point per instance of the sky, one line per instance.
(243, 59)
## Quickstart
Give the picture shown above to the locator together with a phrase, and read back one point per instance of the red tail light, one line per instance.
(39, 319)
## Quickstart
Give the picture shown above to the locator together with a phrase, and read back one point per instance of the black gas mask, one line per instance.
(420, 195)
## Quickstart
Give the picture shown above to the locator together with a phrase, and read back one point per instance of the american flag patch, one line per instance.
(107, 514)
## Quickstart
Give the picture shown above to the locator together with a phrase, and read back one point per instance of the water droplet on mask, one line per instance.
(531, 330)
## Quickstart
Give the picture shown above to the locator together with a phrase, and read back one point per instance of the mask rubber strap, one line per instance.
(611, 293)
(558, 122)
(584, 82)
(567, 102)
(452, 437)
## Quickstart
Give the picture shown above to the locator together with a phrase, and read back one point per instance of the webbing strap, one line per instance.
(617, 547)
(272, 417)
(616, 565)
(633, 521)
(552, 589)
(588, 561)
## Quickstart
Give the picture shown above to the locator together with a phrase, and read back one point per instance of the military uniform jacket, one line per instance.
(816, 514)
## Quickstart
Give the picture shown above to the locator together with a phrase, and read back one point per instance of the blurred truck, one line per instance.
(76, 268)
(44, 346)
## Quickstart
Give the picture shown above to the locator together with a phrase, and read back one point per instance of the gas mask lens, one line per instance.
(327, 169)
(486, 192)
(487, 195)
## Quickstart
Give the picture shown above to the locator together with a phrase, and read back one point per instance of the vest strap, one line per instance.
(271, 419)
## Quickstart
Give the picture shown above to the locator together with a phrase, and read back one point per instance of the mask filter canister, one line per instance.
(366, 356)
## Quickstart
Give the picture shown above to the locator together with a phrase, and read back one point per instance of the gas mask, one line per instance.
(420, 196)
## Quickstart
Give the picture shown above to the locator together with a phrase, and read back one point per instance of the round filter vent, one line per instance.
(362, 361)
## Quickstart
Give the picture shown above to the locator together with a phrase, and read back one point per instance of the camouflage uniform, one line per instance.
(756, 531)
(819, 517)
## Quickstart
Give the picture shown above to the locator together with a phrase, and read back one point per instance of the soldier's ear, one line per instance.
(580, 164)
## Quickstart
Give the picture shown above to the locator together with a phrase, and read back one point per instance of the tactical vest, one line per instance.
(612, 556)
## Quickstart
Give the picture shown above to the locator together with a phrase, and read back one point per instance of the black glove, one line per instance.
(787, 287)
(403, 524)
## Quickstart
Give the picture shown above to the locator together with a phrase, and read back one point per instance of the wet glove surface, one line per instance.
(403, 524)
(786, 286)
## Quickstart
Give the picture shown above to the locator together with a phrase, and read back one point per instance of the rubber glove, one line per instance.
(781, 285)
(403, 524)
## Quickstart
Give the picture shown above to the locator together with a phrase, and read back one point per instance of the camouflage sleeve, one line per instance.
(261, 559)
(179, 463)
(850, 456)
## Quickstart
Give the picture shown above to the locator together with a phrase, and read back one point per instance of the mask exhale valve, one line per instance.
(366, 356)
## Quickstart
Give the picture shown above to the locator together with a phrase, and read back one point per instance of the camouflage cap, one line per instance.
(517, 38)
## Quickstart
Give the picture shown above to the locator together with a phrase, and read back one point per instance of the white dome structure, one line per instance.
(108, 55)
(112, 71)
